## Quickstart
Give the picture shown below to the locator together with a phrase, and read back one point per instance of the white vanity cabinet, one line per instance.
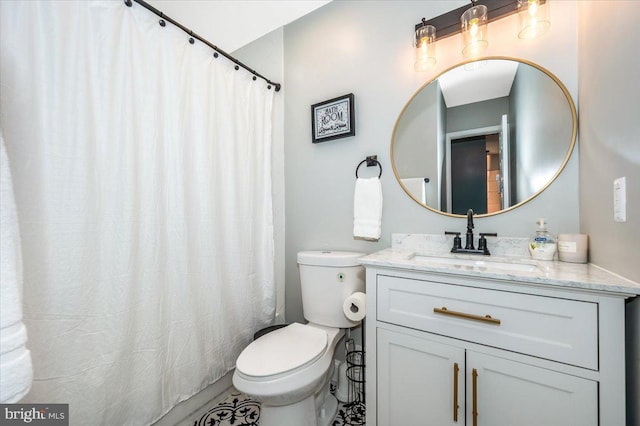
(419, 381)
(507, 392)
(423, 382)
(463, 349)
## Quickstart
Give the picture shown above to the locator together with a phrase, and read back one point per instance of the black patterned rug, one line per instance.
(240, 410)
(350, 414)
(237, 410)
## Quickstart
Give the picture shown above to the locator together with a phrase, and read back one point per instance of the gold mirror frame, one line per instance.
(574, 133)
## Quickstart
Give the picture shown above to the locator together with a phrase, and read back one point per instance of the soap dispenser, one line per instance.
(542, 245)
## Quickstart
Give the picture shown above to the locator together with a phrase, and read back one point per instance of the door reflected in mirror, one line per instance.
(487, 135)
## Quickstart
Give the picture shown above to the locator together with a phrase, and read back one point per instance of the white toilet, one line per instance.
(288, 370)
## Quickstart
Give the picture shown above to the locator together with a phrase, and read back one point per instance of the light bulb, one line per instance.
(534, 18)
(474, 31)
(474, 28)
(425, 48)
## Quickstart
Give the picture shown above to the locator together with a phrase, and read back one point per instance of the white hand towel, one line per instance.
(16, 372)
(367, 209)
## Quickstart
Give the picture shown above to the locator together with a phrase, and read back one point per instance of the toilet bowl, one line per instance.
(288, 370)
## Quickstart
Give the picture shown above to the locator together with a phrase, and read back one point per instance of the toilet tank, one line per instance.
(327, 278)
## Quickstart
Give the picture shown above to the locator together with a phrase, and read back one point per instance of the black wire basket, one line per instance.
(355, 360)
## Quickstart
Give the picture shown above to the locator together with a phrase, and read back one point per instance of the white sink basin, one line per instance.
(484, 264)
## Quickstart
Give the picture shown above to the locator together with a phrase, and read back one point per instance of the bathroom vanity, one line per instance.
(492, 340)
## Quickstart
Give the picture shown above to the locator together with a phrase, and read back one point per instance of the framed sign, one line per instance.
(333, 119)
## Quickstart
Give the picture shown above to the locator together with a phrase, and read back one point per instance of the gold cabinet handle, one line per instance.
(474, 385)
(486, 318)
(455, 391)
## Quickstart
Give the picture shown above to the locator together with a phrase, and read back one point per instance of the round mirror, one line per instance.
(487, 135)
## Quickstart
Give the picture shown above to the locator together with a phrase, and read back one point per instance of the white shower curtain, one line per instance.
(143, 187)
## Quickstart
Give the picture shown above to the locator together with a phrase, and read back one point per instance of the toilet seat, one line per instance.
(282, 351)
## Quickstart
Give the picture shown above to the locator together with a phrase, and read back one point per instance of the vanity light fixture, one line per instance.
(425, 51)
(534, 18)
(473, 23)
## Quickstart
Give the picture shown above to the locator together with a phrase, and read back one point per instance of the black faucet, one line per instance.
(469, 242)
(469, 248)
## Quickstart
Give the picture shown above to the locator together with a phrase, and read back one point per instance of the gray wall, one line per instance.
(477, 115)
(364, 47)
(541, 130)
(442, 140)
(417, 152)
(416, 138)
(609, 88)
(610, 131)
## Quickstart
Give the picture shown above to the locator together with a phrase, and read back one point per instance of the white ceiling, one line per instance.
(231, 24)
(477, 81)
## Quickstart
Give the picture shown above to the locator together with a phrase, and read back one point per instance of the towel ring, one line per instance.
(371, 161)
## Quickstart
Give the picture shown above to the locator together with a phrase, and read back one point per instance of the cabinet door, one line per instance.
(507, 393)
(420, 382)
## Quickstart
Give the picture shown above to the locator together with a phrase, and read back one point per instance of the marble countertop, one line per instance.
(408, 255)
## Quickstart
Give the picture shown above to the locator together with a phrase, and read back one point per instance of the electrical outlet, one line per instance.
(620, 200)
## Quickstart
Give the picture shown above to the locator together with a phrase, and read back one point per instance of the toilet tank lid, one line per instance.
(329, 258)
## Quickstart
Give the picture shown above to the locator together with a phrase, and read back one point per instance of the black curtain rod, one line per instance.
(193, 35)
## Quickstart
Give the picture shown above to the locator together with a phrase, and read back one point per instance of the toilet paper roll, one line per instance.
(354, 306)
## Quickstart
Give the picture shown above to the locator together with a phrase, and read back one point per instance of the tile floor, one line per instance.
(237, 409)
